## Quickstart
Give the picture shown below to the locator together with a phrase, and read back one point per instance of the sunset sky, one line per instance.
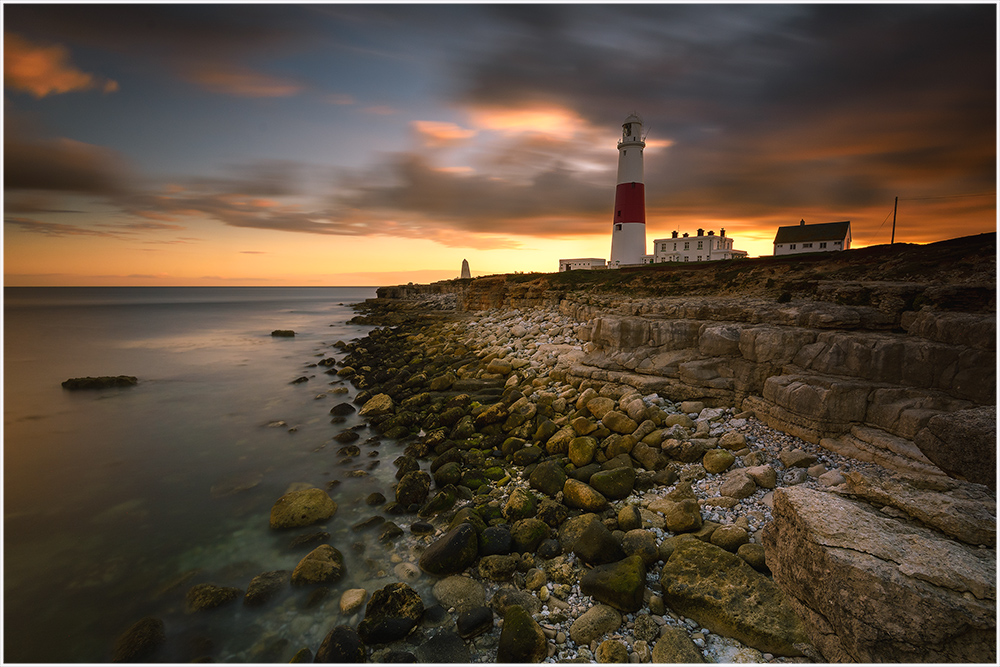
(337, 144)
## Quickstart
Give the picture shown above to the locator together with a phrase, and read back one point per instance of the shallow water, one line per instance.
(109, 509)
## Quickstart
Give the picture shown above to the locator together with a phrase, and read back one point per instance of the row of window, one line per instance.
(822, 245)
(687, 246)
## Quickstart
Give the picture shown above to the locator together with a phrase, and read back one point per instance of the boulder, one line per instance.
(573, 528)
(391, 613)
(341, 644)
(209, 596)
(727, 596)
(522, 639)
(474, 622)
(611, 651)
(322, 565)
(102, 382)
(140, 641)
(495, 540)
(600, 406)
(729, 538)
(892, 591)
(460, 592)
(650, 458)
(445, 647)
(264, 587)
(754, 555)
(620, 584)
(413, 488)
(597, 621)
(552, 513)
(763, 475)
(351, 600)
(376, 406)
(497, 567)
(559, 443)
(619, 422)
(675, 646)
(302, 508)
(581, 450)
(642, 543)
(508, 597)
(452, 552)
(738, 485)
(583, 496)
(717, 460)
(527, 534)
(520, 504)
(615, 484)
(548, 477)
(682, 516)
(596, 545)
(733, 441)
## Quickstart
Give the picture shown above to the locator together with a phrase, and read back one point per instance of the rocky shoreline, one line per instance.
(543, 517)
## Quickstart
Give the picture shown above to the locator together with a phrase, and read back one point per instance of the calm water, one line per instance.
(109, 509)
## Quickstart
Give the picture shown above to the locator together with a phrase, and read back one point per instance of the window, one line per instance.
(807, 245)
(699, 258)
(687, 259)
(675, 246)
(618, 227)
(781, 245)
(687, 245)
(699, 244)
(822, 244)
(619, 213)
(790, 247)
(663, 247)
(837, 242)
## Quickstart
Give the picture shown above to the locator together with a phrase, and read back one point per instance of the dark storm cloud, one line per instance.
(63, 165)
(760, 100)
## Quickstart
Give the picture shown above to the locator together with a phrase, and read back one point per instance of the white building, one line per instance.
(803, 238)
(701, 248)
(586, 263)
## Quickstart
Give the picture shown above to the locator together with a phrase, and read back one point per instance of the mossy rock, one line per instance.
(620, 584)
(210, 596)
(522, 639)
(452, 552)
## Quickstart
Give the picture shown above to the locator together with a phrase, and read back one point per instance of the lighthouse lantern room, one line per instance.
(628, 232)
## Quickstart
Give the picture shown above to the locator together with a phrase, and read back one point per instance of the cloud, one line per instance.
(436, 134)
(45, 70)
(252, 252)
(240, 81)
(63, 165)
(54, 228)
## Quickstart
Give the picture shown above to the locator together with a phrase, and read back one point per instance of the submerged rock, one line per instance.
(209, 596)
(451, 553)
(341, 644)
(390, 614)
(522, 639)
(140, 641)
(102, 382)
(322, 565)
(302, 508)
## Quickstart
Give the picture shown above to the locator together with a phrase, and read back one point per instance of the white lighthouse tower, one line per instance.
(628, 233)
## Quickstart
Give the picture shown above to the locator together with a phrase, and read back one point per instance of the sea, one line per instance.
(117, 501)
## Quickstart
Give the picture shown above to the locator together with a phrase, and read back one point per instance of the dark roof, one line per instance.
(824, 231)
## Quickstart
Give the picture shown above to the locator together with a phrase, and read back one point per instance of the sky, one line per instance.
(376, 144)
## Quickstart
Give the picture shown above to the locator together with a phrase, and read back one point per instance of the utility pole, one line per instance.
(895, 204)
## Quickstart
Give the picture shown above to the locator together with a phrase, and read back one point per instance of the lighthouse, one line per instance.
(628, 231)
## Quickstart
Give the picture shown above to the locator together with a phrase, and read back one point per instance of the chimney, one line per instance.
(711, 233)
(802, 222)
(701, 232)
(722, 232)
(685, 234)
(673, 235)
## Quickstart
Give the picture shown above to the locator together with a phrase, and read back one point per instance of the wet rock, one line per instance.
(377, 406)
(140, 642)
(342, 410)
(341, 644)
(308, 539)
(453, 552)
(683, 516)
(675, 646)
(462, 593)
(446, 647)
(527, 456)
(717, 460)
(389, 532)
(548, 477)
(727, 596)
(522, 639)
(527, 534)
(102, 382)
(413, 488)
(599, 620)
(641, 543)
(549, 548)
(730, 538)
(611, 650)
(351, 600)
(495, 540)
(620, 584)
(449, 473)
(583, 496)
(474, 622)
(559, 443)
(552, 513)
(508, 597)
(391, 613)
(264, 587)
(581, 450)
(596, 545)
(302, 508)
(497, 567)
(600, 406)
(322, 565)
(573, 528)
(685, 451)
(738, 484)
(614, 484)
(209, 596)
(629, 518)
(753, 554)
(520, 505)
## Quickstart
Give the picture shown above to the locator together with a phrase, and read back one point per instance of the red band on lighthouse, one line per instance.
(630, 203)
